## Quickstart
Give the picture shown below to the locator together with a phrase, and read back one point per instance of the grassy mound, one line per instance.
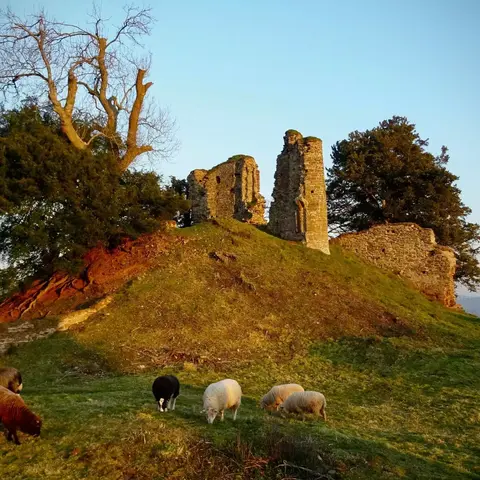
(400, 373)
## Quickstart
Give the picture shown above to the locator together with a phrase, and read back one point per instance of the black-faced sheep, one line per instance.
(166, 390)
(278, 394)
(219, 396)
(15, 415)
(305, 402)
(11, 378)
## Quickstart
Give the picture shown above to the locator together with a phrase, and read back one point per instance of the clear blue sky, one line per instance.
(237, 74)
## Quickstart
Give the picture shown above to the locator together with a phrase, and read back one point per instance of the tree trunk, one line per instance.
(134, 150)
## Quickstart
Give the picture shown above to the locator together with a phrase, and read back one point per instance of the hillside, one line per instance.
(399, 372)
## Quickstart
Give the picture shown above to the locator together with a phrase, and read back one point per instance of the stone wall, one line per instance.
(299, 208)
(229, 190)
(410, 252)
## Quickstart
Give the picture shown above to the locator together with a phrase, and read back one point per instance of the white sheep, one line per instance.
(225, 394)
(278, 394)
(305, 402)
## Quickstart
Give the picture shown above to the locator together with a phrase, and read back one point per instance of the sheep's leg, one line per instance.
(160, 405)
(174, 401)
(11, 434)
(235, 410)
(323, 413)
(222, 415)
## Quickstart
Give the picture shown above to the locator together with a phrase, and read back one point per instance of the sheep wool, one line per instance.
(222, 395)
(278, 394)
(15, 415)
(11, 378)
(305, 402)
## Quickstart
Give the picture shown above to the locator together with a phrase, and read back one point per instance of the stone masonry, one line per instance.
(229, 190)
(410, 252)
(299, 208)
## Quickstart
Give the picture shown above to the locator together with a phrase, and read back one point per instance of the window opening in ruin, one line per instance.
(300, 219)
(218, 179)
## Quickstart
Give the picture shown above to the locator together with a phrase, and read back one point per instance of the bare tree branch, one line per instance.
(83, 74)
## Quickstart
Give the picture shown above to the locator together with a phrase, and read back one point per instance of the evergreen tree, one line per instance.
(387, 175)
(57, 202)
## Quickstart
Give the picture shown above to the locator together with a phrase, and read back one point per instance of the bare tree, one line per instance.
(84, 75)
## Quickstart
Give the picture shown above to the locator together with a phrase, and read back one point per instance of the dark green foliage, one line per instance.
(386, 175)
(180, 187)
(57, 202)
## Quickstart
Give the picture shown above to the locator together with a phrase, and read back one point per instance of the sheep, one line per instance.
(278, 394)
(15, 415)
(305, 402)
(220, 396)
(166, 389)
(11, 378)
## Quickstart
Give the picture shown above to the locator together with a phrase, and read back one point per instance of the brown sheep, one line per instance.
(15, 415)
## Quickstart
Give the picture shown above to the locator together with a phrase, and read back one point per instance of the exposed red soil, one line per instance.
(104, 272)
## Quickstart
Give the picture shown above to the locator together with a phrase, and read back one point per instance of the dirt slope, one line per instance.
(104, 272)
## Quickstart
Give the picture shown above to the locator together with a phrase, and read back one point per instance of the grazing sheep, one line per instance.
(220, 396)
(11, 378)
(15, 415)
(278, 394)
(305, 402)
(166, 390)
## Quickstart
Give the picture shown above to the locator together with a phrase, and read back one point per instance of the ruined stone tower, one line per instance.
(299, 208)
(229, 190)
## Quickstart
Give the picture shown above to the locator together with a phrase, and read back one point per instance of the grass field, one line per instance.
(400, 373)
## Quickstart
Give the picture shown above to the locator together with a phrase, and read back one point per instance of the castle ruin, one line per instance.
(299, 208)
(229, 190)
(299, 213)
(409, 251)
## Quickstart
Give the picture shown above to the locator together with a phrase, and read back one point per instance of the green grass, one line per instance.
(400, 373)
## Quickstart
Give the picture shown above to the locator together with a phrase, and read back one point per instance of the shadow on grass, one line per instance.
(56, 360)
(435, 368)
